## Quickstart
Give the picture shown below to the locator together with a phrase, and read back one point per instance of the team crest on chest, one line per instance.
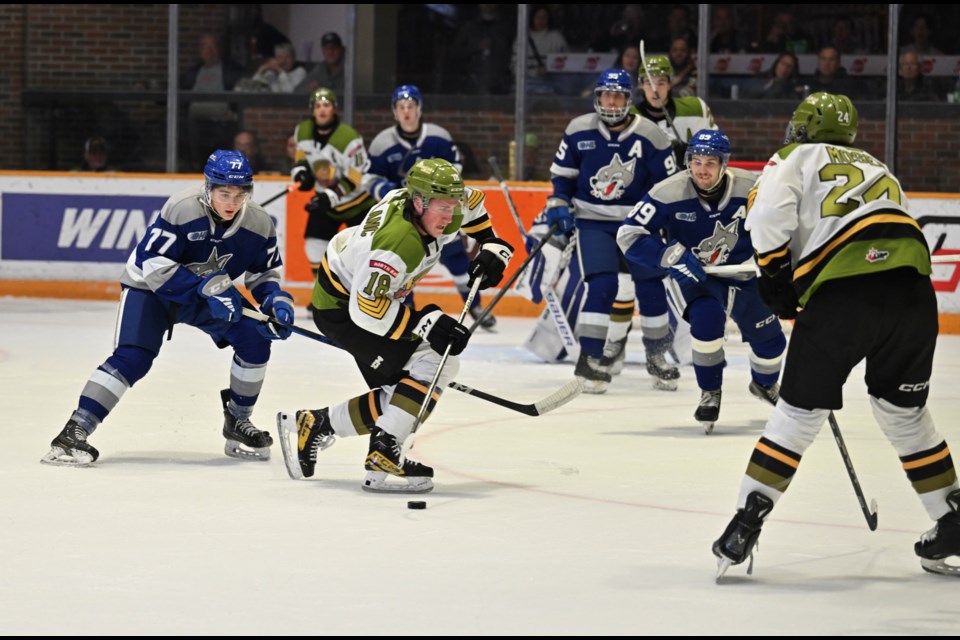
(611, 181)
(213, 264)
(716, 249)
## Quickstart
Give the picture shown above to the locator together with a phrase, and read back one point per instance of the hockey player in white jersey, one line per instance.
(358, 303)
(182, 271)
(395, 150)
(834, 238)
(701, 212)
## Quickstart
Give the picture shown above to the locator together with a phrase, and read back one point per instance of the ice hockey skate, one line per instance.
(244, 441)
(664, 374)
(302, 436)
(740, 537)
(942, 542)
(770, 394)
(614, 355)
(383, 461)
(708, 411)
(593, 374)
(489, 323)
(70, 448)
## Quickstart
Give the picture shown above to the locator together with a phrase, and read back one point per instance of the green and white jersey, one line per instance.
(370, 268)
(838, 211)
(689, 116)
(340, 164)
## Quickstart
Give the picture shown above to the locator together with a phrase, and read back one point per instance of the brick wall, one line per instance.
(123, 48)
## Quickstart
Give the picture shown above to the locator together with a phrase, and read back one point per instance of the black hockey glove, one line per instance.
(491, 260)
(319, 205)
(302, 174)
(441, 331)
(777, 290)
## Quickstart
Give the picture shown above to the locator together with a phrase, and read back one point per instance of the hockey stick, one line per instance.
(869, 513)
(277, 196)
(556, 310)
(409, 442)
(516, 274)
(558, 398)
(750, 267)
(663, 105)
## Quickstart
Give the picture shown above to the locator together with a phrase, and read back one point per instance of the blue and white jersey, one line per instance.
(603, 174)
(714, 234)
(392, 155)
(184, 245)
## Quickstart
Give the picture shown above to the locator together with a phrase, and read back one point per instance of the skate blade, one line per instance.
(664, 385)
(287, 429)
(594, 386)
(376, 482)
(58, 457)
(708, 427)
(234, 449)
(723, 563)
(940, 567)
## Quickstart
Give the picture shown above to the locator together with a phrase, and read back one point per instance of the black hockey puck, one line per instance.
(416, 504)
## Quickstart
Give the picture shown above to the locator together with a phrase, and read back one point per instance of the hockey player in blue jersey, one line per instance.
(702, 212)
(606, 162)
(183, 271)
(396, 149)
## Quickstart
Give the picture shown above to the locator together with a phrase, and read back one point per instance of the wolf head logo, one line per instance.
(611, 181)
(716, 249)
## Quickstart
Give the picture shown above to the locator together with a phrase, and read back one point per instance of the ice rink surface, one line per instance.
(596, 518)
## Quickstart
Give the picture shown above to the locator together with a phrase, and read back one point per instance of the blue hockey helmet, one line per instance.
(615, 81)
(406, 92)
(229, 168)
(709, 142)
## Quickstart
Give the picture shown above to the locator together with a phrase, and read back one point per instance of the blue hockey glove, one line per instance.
(558, 213)
(222, 297)
(278, 304)
(383, 187)
(491, 260)
(683, 267)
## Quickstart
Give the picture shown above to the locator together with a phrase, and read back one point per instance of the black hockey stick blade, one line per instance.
(558, 398)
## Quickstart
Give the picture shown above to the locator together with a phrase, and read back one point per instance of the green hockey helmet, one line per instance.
(323, 94)
(657, 66)
(437, 178)
(823, 117)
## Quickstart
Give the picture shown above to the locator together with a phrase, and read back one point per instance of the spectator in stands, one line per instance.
(783, 79)
(96, 156)
(542, 40)
(291, 151)
(912, 85)
(480, 53)
(247, 143)
(724, 35)
(210, 125)
(255, 39)
(843, 37)
(684, 81)
(831, 77)
(680, 25)
(629, 29)
(327, 73)
(921, 34)
(785, 35)
(281, 73)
